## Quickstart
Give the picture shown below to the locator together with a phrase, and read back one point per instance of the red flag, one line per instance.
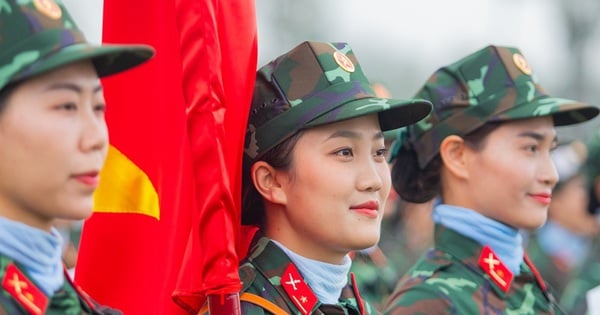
(133, 245)
(219, 41)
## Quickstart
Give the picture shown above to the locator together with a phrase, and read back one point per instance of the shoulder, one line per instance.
(258, 296)
(437, 281)
(418, 299)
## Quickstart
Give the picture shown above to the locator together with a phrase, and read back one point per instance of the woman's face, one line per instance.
(335, 190)
(512, 175)
(53, 142)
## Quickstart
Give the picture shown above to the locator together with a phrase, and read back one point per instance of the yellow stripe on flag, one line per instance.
(125, 188)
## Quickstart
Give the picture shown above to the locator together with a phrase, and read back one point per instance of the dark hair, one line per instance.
(594, 203)
(421, 185)
(280, 158)
(5, 94)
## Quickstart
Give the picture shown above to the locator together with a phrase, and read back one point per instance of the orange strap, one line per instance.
(254, 299)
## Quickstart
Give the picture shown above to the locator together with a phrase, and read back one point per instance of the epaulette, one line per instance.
(23, 291)
(495, 268)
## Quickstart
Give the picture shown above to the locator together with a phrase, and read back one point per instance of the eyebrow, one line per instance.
(536, 136)
(352, 134)
(72, 87)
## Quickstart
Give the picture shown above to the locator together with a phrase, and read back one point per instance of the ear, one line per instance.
(453, 151)
(267, 179)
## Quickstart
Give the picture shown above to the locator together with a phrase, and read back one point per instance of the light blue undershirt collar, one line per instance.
(37, 251)
(326, 280)
(504, 240)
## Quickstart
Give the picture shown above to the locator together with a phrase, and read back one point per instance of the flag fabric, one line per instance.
(133, 244)
(168, 203)
(219, 66)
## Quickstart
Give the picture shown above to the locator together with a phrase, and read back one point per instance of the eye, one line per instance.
(532, 148)
(101, 108)
(381, 152)
(346, 152)
(67, 107)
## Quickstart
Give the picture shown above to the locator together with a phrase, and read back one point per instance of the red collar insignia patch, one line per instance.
(300, 293)
(24, 291)
(495, 268)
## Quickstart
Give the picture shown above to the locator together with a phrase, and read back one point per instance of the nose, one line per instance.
(372, 176)
(94, 135)
(549, 174)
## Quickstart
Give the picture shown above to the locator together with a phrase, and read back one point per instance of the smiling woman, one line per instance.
(53, 142)
(485, 153)
(315, 179)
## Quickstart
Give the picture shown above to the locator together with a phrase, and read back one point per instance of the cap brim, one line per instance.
(564, 111)
(393, 113)
(107, 59)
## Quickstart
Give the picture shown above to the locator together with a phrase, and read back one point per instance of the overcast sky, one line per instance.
(400, 43)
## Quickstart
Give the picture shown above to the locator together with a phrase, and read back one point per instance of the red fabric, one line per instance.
(219, 41)
(131, 261)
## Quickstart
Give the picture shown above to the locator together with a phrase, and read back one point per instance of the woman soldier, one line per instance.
(53, 142)
(315, 179)
(485, 151)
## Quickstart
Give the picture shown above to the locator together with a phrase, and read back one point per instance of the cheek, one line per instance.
(386, 178)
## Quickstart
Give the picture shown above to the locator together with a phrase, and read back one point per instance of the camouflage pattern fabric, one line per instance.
(262, 272)
(574, 298)
(66, 301)
(39, 35)
(375, 280)
(554, 271)
(490, 85)
(448, 280)
(314, 84)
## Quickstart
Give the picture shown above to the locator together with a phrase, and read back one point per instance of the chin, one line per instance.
(78, 211)
(533, 225)
(365, 241)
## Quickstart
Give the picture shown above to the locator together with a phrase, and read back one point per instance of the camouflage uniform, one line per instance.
(313, 84)
(265, 268)
(18, 288)
(494, 84)
(449, 280)
(574, 298)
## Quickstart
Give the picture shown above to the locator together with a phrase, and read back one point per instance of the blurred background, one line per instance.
(401, 43)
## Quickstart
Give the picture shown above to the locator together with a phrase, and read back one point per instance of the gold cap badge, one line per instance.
(48, 8)
(521, 63)
(343, 61)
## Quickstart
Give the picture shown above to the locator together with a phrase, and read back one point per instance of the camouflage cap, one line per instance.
(314, 84)
(491, 85)
(39, 35)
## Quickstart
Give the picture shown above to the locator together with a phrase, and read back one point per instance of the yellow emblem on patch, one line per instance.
(521, 63)
(343, 61)
(48, 8)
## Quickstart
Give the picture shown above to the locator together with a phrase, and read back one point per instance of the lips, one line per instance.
(543, 198)
(369, 208)
(89, 179)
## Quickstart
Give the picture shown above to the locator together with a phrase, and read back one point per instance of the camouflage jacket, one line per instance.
(574, 298)
(19, 295)
(269, 273)
(450, 279)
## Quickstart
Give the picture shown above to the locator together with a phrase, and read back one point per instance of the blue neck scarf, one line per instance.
(326, 280)
(504, 240)
(38, 251)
